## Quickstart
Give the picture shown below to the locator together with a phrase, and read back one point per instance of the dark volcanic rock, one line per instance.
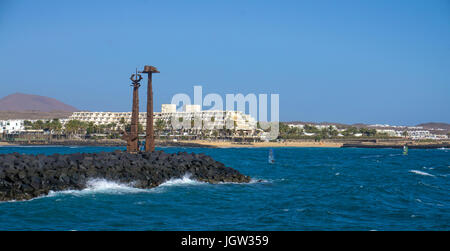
(24, 177)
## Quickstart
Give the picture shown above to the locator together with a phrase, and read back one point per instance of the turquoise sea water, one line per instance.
(306, 189)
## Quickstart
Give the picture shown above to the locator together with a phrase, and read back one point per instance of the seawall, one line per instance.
(23, 177)
(410, 146)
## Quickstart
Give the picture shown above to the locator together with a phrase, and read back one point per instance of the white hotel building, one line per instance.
(11, 126)
(209, 119)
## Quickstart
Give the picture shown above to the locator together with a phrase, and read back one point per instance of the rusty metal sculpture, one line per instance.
(133, 138)
(149, 134)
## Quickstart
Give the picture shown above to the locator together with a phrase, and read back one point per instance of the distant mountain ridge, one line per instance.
(434, 125)
(26, 102)
(34, 115)
(428, 126)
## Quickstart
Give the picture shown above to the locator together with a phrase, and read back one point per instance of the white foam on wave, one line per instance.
(371, 156)
(102, 186)
(185, 180)
(252, 181)
(255, 181)
(421, 173)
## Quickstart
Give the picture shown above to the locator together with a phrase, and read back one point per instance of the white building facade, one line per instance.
(11, 126)
(192, 117)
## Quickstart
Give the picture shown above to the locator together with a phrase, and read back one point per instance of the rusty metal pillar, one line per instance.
(133, 138)
(149, 132)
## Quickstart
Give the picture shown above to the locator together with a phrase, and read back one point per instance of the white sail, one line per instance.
(271, 156)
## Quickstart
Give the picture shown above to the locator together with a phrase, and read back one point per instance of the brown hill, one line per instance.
(26, 102)
(33, 115)
(434, 125)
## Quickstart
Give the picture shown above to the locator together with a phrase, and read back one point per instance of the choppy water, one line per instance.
(306, 189)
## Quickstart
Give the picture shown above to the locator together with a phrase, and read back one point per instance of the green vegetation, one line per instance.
(159, 126)
(122, 122)
(140, 128)
(72, 127)
(368, 132)
(49, 125)
(287, 132)
(350, 131)
(28, 124)
(330, 132)
(405, 134)
(311, 129)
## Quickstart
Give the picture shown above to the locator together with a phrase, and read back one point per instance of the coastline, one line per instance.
(221, 144)
(413, 145)
(227, 144)
(6, 144)
(27, 176)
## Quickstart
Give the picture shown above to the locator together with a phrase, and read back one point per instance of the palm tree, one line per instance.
(55, 126)
(122, 122)
(38, 125)
(112, 126)
(405, 134)
(159, 126)
(71, 127)
(74, 127)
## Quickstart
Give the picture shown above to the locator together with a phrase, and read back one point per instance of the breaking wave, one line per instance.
(102, 186)
(371, 156)
(421, 173)
(185, 180)
(252, 181)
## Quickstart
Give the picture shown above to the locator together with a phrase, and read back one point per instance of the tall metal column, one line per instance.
(149, 134)
(133, 138)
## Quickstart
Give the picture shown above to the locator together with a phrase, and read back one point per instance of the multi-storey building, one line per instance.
(191, 118)
(168, 108)
(11, 126)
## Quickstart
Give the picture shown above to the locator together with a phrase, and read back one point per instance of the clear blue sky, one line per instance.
(340, 61)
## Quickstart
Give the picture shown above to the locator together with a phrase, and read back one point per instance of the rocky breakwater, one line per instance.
(23, 177)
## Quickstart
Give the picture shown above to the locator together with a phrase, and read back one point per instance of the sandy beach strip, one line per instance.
(220, 144)
(5, 144)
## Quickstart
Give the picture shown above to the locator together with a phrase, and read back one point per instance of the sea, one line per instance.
(305, 189)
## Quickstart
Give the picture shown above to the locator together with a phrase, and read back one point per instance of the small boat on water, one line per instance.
(405, 150)
(271, 157)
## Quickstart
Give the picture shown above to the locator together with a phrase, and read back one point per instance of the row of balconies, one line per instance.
(242, 120)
